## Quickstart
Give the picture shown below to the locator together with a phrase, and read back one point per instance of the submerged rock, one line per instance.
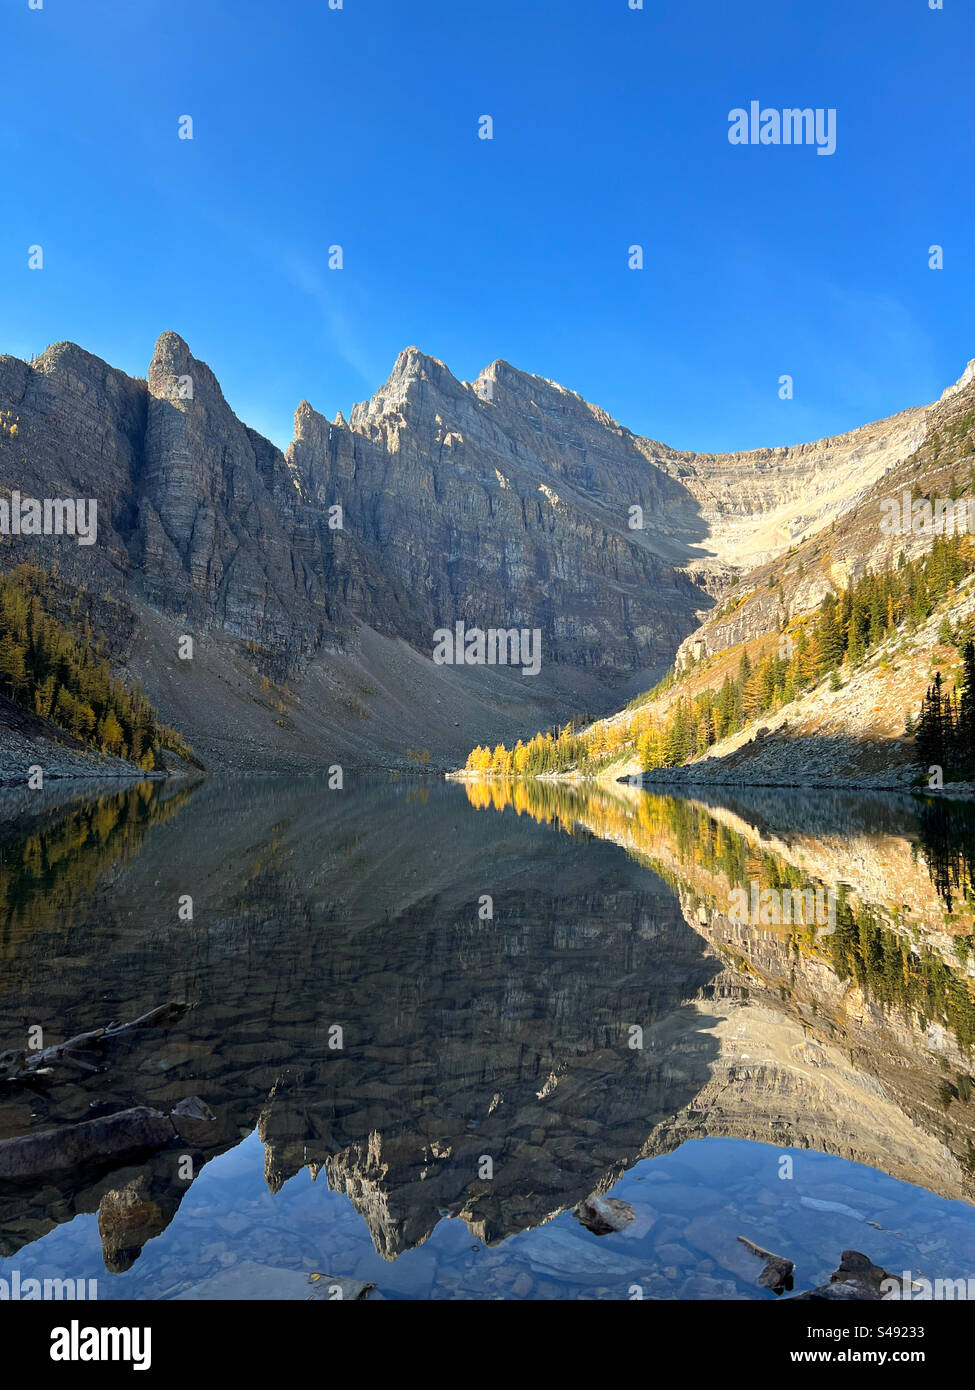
(840, 1208)
(70, 1146)
(857, 1278)
(602, 1215)
(254, 1282)
(559, 1253)
(192, 1119)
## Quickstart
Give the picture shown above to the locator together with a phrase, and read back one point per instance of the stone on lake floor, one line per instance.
(603, 1215)
(250, 1281)
(578, 1260)
(857, 1278)
(644, 1218)
(840, 1208)
(777, 1274)
(701, 1287)
(192, 1118)
(777, 1271)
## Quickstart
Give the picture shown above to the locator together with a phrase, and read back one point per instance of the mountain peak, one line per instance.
(412, 364)
(311, 427)
(967, 376)
(171, 350)
(405, 386)
(179, 377)
(68, 354)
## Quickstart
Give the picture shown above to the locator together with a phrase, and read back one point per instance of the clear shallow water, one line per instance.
(689, 1207)
(507, 1038)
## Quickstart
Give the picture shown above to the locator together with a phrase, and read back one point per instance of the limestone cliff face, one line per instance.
(503, 503)
(217, 508)
(824, 507)
(81, 433)
(758, 503)
(498, 504)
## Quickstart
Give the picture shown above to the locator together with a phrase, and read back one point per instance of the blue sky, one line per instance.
(358, 127)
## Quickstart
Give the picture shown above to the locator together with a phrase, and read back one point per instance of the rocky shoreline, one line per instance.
(21, 753)
(896, 780)
(695, 776)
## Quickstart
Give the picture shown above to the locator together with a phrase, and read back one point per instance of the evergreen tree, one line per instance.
(931, 743)
(966, 711)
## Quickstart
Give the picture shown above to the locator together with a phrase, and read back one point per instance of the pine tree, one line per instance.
(966, 711)
(930, 741)
(13, 670)
(829, 637)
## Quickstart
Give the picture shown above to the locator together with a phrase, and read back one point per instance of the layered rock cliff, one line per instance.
(499, 504)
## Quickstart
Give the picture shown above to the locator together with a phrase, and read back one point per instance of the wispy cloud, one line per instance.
(311, 280)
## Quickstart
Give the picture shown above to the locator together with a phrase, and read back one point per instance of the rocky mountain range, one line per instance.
(313, 581)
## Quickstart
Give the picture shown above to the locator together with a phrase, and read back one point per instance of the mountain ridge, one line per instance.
(504, 502)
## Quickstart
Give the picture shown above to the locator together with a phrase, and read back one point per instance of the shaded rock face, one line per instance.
(217, 511)
(502, 512)
(82, 427)
(502, 503)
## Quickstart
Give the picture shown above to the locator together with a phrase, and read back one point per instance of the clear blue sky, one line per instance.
(359, 127)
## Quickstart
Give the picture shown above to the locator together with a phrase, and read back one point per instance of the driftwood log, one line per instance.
(85, 1051)
(102, 1139)
(777, 1274)
(106, 1136)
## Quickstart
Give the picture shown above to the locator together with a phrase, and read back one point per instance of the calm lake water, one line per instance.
(430, 1019)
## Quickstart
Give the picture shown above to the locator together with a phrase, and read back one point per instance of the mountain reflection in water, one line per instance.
(509, 1037)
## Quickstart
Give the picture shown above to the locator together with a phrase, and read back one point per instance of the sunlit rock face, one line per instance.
(803, 521)
(461, 1038)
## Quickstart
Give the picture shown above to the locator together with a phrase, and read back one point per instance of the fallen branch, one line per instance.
(109, 1136)
(21, 1066)
(777, 1274)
